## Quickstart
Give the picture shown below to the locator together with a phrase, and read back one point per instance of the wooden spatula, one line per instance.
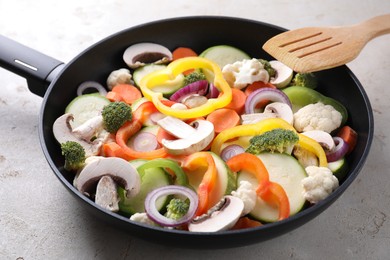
(317, 48)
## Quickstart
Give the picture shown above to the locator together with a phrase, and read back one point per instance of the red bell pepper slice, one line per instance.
(195, 161)
(130, 128)
(270, 192)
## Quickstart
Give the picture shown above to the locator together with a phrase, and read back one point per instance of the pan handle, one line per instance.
(37, 68)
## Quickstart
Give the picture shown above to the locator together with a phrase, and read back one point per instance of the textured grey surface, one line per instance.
(39, 219)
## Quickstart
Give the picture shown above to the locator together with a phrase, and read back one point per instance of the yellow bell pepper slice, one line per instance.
(264, 126)
(176, 67)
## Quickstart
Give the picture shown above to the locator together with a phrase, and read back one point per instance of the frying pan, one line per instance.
(57, 83)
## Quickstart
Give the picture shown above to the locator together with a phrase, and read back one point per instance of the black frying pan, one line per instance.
(57, 82)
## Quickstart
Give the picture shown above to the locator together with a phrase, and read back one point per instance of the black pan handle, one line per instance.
(38, 68)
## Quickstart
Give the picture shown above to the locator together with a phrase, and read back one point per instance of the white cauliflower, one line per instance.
(142, 218)
(247, 194)
(319, 183)
(317, 116)
(241, 73)
(121, 76)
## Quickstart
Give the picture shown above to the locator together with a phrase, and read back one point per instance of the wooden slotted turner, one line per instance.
(317, 48)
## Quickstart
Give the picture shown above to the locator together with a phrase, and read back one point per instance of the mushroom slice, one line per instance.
(282, 110)
(255, 117)
(139, 54)
(89, 129)
(305, 157)
(62, 131)
(106, 194)
(176, 127)
(221, 217)
(283, 75)
(120, 170)
(322, 137)
(192, 138)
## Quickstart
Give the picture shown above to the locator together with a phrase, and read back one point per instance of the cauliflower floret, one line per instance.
(317, 116)
(241, 73)
(247, 194)
(319, 183)
(142, 218)
(121, 76)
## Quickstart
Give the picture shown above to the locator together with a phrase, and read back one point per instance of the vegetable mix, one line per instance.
(204, 142)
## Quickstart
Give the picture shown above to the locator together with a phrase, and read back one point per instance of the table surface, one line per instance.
(39, 218)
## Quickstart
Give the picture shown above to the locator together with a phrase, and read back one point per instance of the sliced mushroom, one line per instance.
(283, 75)
(106, 194)
(191, 138)
(63, 132)
(305, 157)
(221, 217)
(255, 117)
(281, 110)
(272, 110)
(120, 170)
(194, 101)
(176, 127)
(322, 137)
(89, 129)
(139, 54)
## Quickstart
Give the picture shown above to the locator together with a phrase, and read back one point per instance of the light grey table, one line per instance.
(39, 219)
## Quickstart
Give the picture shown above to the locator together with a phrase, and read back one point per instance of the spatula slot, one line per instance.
(319, 49)
(309, 44)
(300, 39)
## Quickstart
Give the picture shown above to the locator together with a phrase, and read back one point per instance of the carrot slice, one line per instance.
(223, 118)
(238, 101)
(349, 136)
(257, 85)
(113, 96)
(182, 52)
(246, 222)
(127, 93)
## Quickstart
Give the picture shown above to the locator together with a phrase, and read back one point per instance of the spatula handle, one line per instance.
(376, 26)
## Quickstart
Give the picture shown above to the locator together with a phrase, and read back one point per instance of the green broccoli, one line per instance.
(177, 208)
(193, 77)
(74, 155)
(115, 115)
(267, 66)
(276, 140)
(307, 80)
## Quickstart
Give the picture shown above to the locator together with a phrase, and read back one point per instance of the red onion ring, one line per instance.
(198, 87)
(274, 95)
(156, 216)
(339, 150)
(93, 85)
(145, 142)
(213, 91)
(230, 151)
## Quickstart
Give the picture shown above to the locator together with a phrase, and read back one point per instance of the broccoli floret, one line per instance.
(74, 155)
(276, 140)
(267, 66)
(177, 208)
(307, 80)
(115, 115)
(193, 77)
